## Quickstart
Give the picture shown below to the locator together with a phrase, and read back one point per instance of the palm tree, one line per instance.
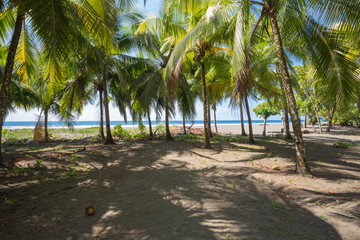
(55, 31)
(200, 42)
(165, 31)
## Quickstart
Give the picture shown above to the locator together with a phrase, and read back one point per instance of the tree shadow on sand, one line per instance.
(155, 191)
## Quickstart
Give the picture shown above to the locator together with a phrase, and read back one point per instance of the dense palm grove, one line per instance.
(59, 55)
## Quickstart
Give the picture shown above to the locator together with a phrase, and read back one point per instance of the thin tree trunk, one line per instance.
(305, 122)
(46, 116)
(214, 109)
(205, 107)
(5, 86)
(318, 120)
(150, 127)
(312, 124)
(358, 103)
(167, 127)
(108, 138)
(101, 127)
(251, 135)
(330, 116)
(243, 133)
(184, 126)
(264, 130)
(209, 121)
(301, 163)
(286, 113)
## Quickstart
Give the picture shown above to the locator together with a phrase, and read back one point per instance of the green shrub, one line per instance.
(120, 132)
(188, 137)
(343, 144)
(142, 127)
(141, 136)
(160, 128)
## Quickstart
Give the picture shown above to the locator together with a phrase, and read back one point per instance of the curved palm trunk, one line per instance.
(209, 121)
(243, 133)
(264, 130)
(318, 120)
(330, 116)
(108, 138)
(168, 136)
(214, 109)
(301, 163)
(205, 107)
(46, 117)
(251, 135)
(5, 86)
(101, 127)
(150, 127)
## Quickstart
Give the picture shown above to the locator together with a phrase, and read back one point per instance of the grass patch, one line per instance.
(343, 144)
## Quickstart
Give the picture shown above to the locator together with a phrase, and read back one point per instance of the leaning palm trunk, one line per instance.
(150, 127)
(312, 124)
(243, 133)
(318, 120)
(214, 109)
(251, 135)
(5, 86)
(301, 163)
(101, 127)
(205, 107)
(108, 138)
(330, 116)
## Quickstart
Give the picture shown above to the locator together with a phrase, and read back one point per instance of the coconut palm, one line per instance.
(55, 32)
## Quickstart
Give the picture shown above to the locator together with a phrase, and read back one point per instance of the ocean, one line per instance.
(86, 124)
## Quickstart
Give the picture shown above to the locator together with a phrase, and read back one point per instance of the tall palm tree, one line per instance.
(55, 31)
(201, 41)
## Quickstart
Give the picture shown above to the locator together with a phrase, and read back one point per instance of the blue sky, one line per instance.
(91, 112)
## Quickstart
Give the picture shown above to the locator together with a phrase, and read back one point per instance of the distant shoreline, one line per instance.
(89, 124)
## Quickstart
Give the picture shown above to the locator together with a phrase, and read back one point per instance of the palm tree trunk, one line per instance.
(108, 139)
(251, 135)
(305, 121)
(205, 107)
(358, 103)
(214, 109)
(330, 116)
(46, 116)
(184, 126)
(209, 120)
(312, 124)
(264, 130)
(286, 113)
(301, 163)
(150, 127)
(243, 133)
(5, 86)
(167, 127)
(318, 120)
(101, 127)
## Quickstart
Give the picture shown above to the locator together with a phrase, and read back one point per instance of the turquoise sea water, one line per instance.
(57, 124)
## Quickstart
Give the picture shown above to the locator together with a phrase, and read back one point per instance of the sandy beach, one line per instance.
(179, 190)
